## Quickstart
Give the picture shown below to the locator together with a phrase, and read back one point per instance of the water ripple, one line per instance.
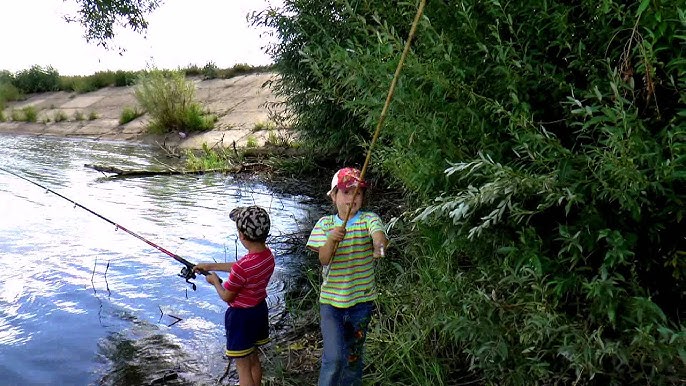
(82, 302)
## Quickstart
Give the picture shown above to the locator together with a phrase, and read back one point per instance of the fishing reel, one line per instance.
(188, 274)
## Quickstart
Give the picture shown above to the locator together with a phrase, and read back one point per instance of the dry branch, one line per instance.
(112, 171)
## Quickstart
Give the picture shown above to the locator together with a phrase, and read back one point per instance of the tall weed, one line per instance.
(168, 98)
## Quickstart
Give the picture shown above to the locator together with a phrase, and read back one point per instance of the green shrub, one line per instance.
(30, 113)
(129, 114)
(198, 120)
(125, 78)
(102, 79)
(90, 83)
(192, 70)
(541, 146)
(262, 125)
(208, 159)
(6, 77)
(69, 83)
(59, 116)
(9, 92)
(92, 116)
(168, 98)
(251, 142)
(25, 114)
(240, 69)
(37, 79)
(209, 71)
(78, 116)
(16, 115)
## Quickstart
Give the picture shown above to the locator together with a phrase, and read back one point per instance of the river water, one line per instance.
(82, 303)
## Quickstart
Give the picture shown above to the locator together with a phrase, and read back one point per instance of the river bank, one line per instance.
(245, 107)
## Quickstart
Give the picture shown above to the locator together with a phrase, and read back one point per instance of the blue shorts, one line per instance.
(246, 329)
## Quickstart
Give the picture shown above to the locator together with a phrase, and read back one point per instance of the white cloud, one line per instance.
(180, 33)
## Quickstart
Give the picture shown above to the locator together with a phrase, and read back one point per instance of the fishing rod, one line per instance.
(186, 272)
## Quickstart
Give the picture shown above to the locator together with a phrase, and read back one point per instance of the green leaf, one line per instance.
(642, 7)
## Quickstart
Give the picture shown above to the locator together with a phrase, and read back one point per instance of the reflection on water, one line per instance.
(83, 303)
(148, 356)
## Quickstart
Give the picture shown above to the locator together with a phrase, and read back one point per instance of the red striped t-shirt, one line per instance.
(249, 277)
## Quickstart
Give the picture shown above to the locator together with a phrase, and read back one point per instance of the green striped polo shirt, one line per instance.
(350, 278)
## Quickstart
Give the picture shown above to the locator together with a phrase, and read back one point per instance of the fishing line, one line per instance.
(186, 272)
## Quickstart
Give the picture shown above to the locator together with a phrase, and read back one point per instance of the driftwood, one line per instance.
(112, 171)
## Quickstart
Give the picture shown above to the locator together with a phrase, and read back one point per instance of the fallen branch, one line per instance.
(112, 171)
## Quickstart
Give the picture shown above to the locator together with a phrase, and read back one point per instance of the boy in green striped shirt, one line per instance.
(347, 293)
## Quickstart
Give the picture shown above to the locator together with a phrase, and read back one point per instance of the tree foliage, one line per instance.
(99, 18)
(543, 143)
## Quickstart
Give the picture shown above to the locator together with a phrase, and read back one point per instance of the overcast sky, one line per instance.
(180, 33)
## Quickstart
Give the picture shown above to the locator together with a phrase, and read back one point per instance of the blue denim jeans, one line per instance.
(344, 331)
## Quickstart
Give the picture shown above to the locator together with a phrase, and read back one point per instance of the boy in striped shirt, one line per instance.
(246, 320)
(348, 290)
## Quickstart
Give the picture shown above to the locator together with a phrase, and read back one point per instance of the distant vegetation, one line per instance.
(15, 86)
(164, 94)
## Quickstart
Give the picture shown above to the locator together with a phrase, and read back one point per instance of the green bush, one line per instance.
(60, 116)
(241, 69)
(168, 98)
(16, 115)
(25, 114)
(97, 81)
(129, 114)
(207, 159)
(209, 71)
(102, 79)
(37, 79)
(9, 92)
(542, 146)
(79, 84)
(192, 70)
(6, 77)
(125, 78)
(30, 113)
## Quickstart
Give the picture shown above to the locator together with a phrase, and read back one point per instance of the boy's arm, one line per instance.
(226, 295)
(207, 267)
(326, 251)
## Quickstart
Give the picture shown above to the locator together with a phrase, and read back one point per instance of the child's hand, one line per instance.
(336, 234)
(213, 279)
(200, 268)
(379, 250)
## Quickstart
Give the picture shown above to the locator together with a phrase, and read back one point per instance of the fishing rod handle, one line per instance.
(206, 273)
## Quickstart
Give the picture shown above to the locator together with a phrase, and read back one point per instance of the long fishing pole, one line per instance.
(186, 272)
(382, 118)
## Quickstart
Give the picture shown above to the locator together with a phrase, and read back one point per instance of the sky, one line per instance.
(180, 33)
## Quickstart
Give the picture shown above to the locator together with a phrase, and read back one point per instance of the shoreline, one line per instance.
(244, 106)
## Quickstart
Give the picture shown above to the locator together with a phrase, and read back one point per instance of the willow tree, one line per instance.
(99, 18)
(543, 143)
